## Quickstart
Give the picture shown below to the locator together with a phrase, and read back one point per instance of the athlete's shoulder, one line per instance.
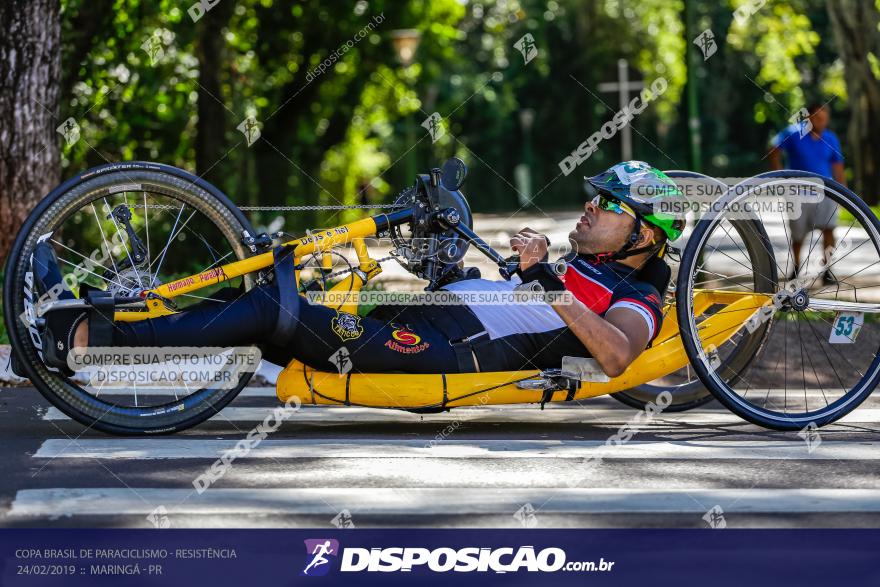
(635, 294)
(638, 288)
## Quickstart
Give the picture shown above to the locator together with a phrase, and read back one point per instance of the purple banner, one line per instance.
(740, 558)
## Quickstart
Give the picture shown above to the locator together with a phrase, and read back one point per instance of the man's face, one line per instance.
(600, 231)
(819, 120)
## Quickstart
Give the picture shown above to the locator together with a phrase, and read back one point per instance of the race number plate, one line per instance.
(846, 327)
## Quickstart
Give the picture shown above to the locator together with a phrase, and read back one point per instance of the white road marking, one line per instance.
(246, 392)
(335, 415)
(374, 448)
(58, 502)
(504, 415)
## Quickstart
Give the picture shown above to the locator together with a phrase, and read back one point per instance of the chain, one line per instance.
(398, 204)
(286, 208)
(350, 269)
(296, 208)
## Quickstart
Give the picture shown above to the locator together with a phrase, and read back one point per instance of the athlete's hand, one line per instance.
(531, 247)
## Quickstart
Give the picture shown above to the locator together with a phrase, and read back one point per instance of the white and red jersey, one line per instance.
(535, 331)
(603, 286)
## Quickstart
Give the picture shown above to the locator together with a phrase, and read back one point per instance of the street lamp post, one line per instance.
(623, 86)
(693, 104)
(406, 42)
(523, 172)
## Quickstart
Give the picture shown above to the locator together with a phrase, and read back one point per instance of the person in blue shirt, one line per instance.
(810, 146)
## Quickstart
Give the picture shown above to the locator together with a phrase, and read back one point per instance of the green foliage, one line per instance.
(327, 136)
(781, 39)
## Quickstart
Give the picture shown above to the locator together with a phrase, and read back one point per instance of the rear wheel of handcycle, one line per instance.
(820, 360)
(184, 226)
(685, 388)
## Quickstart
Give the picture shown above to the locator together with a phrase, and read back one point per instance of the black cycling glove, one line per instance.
(543, 273)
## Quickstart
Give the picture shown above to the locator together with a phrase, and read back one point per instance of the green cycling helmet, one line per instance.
(647, 190)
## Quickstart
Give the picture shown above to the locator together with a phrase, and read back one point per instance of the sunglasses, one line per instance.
(609, 205)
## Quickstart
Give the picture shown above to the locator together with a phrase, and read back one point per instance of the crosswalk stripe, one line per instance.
(250, 391)
(190, 448)
(501, 416)
(55, 502)
(254, 391)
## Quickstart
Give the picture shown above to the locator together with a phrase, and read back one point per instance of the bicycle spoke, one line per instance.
(122, 239)
(746, 254)
(101, 277)
(810, 251)
(171, 239)
(793, 374)
(147, 229)
(813, 367)
(60, 244)
(827, 358)
(104, 239)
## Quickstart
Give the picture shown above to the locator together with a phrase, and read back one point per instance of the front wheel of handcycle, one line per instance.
(126, 228)
(686, 391)
(821, 357)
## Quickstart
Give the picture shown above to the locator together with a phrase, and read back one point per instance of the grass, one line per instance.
(845, 217)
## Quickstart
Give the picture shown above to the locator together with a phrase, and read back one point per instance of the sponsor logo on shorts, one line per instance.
(347, 326)
(403, 340)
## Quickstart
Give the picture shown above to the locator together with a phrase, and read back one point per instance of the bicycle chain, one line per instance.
(350, 269)
(304, 208)
(396, 204)
(285, 208)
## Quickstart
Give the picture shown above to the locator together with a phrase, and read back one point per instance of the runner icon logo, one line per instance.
(318, 549)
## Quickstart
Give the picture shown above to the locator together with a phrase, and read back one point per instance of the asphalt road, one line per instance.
(476, 467)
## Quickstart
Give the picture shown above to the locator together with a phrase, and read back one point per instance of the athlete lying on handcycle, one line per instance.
(612, 315)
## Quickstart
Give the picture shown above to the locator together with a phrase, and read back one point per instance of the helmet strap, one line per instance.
(626, 250)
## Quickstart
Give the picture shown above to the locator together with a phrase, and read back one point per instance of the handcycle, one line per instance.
(730, 312)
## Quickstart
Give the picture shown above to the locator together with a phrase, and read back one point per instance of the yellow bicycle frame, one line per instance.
(413, 391)
(314, 242)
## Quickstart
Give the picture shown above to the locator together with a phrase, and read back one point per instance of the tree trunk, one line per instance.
(854, 23)
(211, 127)
(30, 63)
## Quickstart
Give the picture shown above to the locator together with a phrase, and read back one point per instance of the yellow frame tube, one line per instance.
(412, 391)
(449, 390)
(316, 241)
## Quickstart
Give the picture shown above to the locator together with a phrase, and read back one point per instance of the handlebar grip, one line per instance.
(511, 266)
(560, 267)
(531, 286)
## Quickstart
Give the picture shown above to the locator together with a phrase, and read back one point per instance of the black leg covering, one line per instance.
(288, 298)
(100, 318)
(248, 319)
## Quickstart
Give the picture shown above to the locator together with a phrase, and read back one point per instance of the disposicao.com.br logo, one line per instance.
(318, 549)
(441, 560)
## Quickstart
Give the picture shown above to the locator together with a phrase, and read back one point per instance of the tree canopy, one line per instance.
(145, 81)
